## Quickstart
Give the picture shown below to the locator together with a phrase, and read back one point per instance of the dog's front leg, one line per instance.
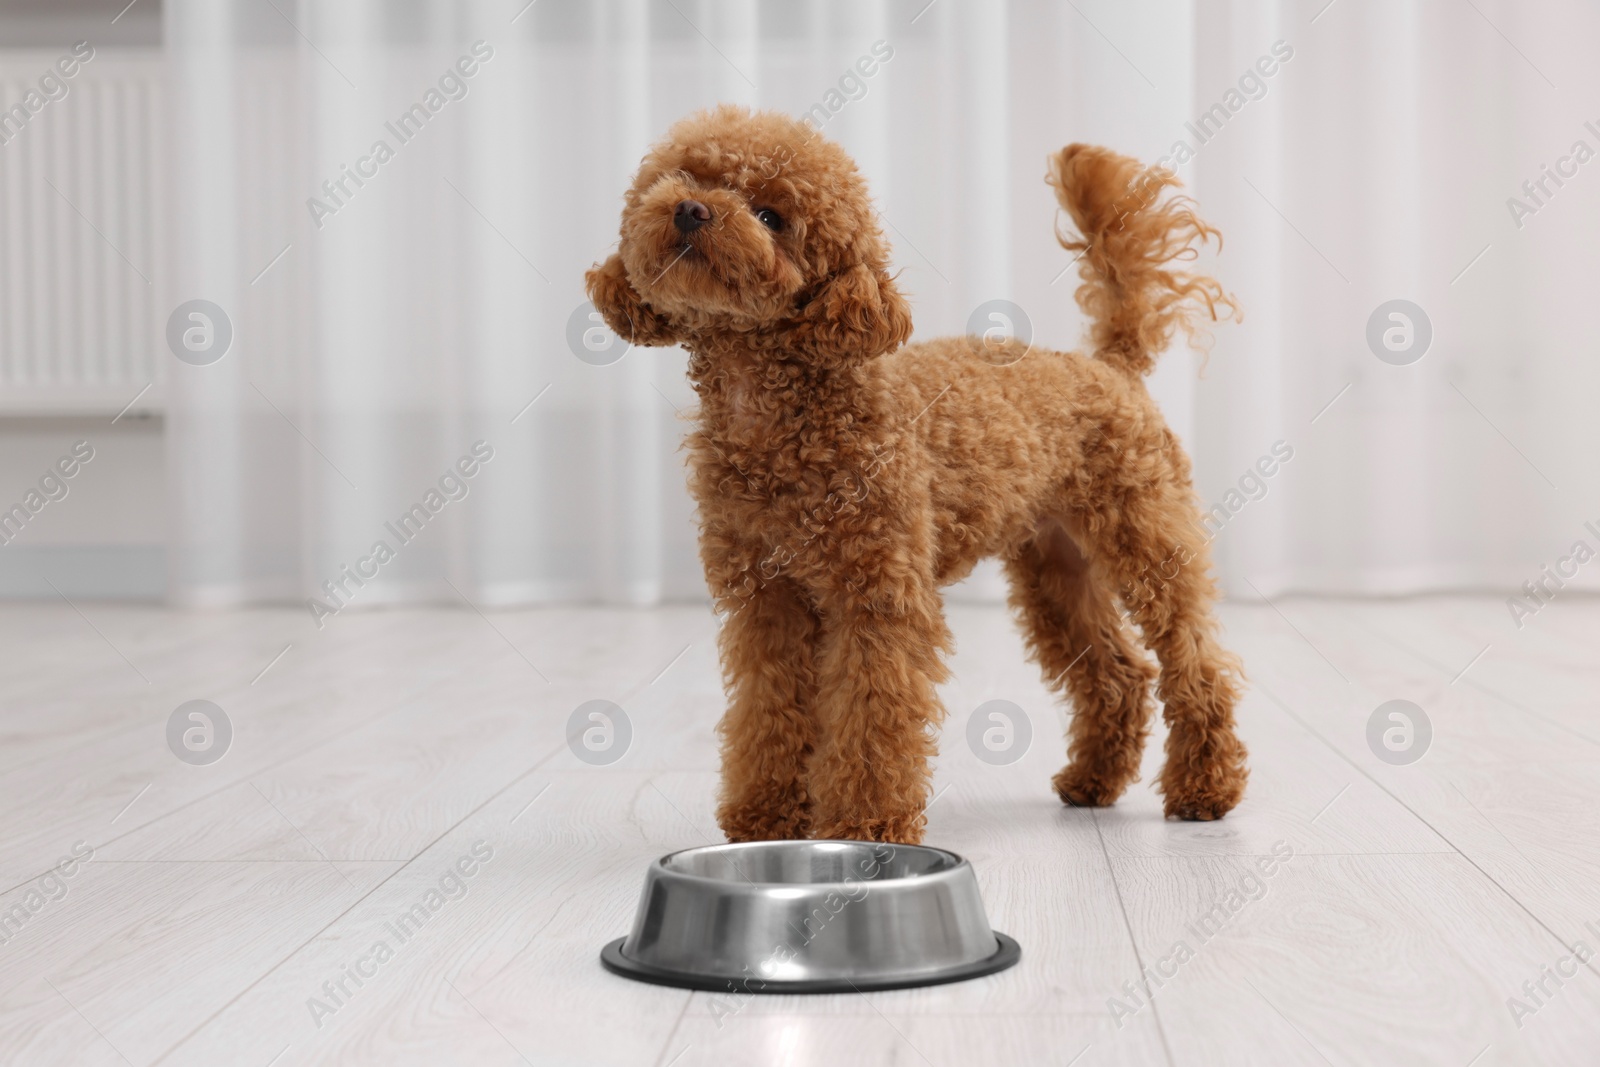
(767, 645)
(877, 709)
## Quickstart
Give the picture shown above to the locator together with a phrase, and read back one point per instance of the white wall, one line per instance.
(105, 537)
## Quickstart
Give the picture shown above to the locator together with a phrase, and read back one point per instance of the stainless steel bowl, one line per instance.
(809, 917)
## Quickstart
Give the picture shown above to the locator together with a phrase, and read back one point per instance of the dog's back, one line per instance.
(1009, 431)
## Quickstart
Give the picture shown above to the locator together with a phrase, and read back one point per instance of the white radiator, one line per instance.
(80, 223)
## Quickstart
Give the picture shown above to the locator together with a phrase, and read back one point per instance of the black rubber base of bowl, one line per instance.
(613, 960)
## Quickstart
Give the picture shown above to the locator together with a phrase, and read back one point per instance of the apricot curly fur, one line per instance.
(843, 477)
(1129, 235)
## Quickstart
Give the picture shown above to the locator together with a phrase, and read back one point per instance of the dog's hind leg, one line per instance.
(1149, 536)
(768, 732)
(1075, 631)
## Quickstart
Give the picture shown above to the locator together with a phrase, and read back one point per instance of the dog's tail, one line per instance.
(1130, 238)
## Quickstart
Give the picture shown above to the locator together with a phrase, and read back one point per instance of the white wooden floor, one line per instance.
(374, 754)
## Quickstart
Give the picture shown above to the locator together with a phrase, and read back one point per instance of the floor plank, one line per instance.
(374, 754)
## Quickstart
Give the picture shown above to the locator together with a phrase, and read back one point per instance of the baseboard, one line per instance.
(89, 572)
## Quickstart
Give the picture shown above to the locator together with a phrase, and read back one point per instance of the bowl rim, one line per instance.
(1007, 953)
(659, 866)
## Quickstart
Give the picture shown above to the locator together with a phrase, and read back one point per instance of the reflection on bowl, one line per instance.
(810, 916)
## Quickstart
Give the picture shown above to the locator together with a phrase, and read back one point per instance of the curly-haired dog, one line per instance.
(844, 476)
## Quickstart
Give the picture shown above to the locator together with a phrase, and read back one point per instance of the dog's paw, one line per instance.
(1081, 788)
(1199, 809)
(1207, 794)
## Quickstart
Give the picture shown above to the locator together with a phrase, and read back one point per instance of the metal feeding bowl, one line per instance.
(809, 917)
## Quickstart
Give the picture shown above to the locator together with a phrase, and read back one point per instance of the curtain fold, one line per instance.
(1377, 166)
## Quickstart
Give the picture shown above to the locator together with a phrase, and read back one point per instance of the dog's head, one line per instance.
(752, 224)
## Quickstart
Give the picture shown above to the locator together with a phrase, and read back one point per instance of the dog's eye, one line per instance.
(770, 219)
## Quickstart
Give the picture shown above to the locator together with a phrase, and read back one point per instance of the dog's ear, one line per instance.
(629, 317)
(854, 315)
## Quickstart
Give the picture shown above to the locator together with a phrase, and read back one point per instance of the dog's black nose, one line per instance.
(690, 216)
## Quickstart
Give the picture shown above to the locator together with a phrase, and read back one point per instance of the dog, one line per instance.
(843, 477)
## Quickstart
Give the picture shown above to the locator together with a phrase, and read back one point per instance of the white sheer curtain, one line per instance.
(376, 344)
(1378, 166)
